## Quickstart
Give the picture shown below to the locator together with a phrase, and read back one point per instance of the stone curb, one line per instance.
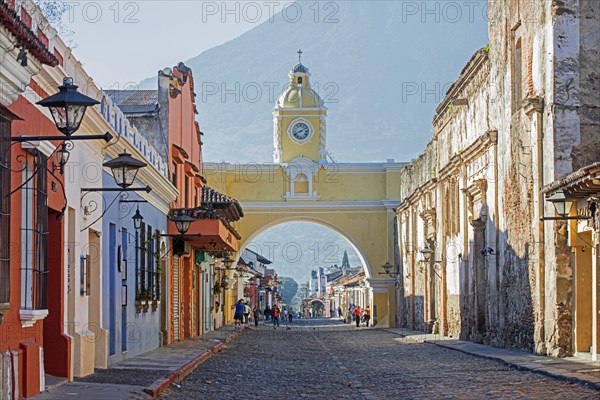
(521, 367)
(565, 377)
(160, 385)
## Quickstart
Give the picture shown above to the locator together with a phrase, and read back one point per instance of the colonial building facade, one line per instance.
(479, 261)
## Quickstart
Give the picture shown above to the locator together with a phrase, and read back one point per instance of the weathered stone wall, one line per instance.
(523, 113)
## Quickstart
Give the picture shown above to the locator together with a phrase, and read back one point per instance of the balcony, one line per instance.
(212, 225)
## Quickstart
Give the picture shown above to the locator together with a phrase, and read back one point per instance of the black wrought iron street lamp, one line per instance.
(390, 269)
(427, 253)
(227, 261)
(137, 220)
(124, 168)
(68, 106)
(562, 206)
(62, 157)
(182, 223)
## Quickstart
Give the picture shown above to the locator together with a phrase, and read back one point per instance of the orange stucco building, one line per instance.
(167, 118)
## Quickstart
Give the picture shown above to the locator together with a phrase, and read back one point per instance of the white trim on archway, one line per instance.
(328, 224)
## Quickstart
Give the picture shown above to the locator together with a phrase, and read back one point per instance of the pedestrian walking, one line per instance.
(291, 315)
(238, 317)
(256, 315)
(357, 313)
(367, 316)
(340, 312)
(246, 313)
(275, 316)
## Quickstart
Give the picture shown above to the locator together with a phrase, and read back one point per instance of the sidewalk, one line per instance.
(147, 375)
(569, 369)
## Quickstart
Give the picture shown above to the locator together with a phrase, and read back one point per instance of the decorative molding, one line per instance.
(333, 205)
(277, 139)
(30, 317)
(533, 104)
(43, 146)
(381, 285)
(340, 168)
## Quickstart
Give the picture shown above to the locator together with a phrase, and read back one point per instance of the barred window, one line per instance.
(34, 233)
(141, 266)
(150, 264)
(158, 259)
(4, 210)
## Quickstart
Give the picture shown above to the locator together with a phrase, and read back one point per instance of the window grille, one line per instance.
(4, 210)
(141, 270)
(34, 234)
(157, 259)
(150, 264)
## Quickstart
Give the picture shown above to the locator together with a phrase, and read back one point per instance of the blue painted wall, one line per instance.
(130, 333)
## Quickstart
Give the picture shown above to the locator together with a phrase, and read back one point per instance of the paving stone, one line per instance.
(324, 359)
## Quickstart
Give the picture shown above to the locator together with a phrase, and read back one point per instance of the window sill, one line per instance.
(303, 196)
(30, 317)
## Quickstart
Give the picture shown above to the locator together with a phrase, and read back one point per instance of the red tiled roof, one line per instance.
(25, 36)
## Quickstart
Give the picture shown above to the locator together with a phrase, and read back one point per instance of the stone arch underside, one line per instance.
(363, 231)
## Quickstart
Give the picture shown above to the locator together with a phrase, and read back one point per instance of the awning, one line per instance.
(582, 183)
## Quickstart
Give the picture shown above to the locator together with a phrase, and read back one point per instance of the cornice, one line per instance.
(477, 63)
(319, 205)
(478, 147)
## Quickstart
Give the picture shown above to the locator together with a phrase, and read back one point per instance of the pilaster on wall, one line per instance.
(384, 302)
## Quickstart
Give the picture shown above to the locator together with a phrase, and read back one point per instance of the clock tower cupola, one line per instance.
(299, 120)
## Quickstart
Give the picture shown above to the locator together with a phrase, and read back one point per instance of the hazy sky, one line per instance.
(295, 254)
(126, 41)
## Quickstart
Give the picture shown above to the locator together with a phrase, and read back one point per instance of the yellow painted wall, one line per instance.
(369, 227)
(249, 182)
(292, 150)
(356, 200)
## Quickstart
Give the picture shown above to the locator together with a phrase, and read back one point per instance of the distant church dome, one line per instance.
(299, 93)
(299, 68)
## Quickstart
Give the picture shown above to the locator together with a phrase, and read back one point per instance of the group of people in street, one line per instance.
(243, 311)
(275, 314)
(359, 315)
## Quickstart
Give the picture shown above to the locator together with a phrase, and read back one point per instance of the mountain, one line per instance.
(382, 68)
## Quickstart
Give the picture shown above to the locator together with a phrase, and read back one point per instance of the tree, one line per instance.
(54, 11)
(288, 288)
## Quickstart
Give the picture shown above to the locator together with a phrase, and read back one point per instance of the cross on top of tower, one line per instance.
(299, 68)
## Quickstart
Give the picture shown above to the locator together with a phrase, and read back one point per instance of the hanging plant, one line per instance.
(224, 283)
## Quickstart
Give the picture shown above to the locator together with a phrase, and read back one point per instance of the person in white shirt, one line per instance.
(247, 311)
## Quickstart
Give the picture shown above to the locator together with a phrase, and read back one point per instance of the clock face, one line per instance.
(300, 131)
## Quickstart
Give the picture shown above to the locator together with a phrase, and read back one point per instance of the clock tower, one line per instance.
(299, 120)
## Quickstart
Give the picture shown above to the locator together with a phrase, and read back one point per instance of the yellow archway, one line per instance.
(358, 204)
(357, 200)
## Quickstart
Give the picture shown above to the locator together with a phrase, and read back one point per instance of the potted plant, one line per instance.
(224, 283)
(155, 304)
(138, 301)
(145, 300)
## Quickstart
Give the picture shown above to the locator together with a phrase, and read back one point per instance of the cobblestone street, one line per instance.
(322, 359)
